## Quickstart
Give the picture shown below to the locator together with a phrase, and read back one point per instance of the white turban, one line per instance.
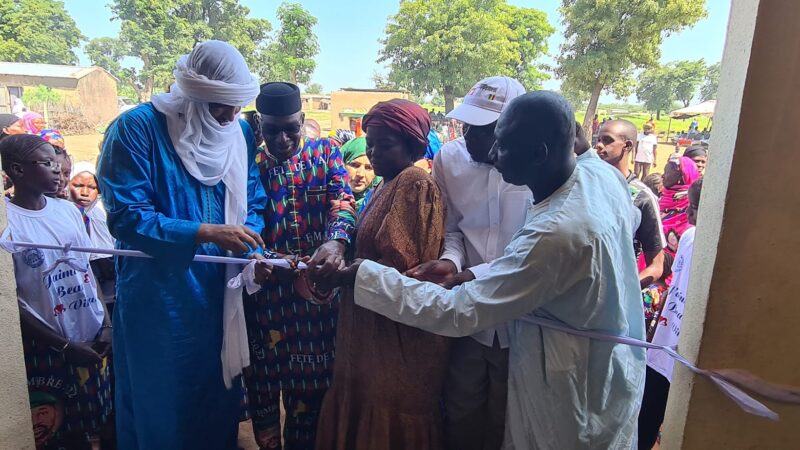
(215, 72)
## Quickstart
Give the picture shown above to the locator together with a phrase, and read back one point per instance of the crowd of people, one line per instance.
(396, 318)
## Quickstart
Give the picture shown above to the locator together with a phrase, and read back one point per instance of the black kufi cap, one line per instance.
(6, 120)
(695, 151)
(278, 99)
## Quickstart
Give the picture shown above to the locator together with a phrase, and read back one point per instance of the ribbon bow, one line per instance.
(246, 278)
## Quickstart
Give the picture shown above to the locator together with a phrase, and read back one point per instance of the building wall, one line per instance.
(315, 102)
(740, 310)
(98, 96)
(15, 411)
(357, 101)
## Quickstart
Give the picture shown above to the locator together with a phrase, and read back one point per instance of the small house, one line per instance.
(89, 91)
(313, 102)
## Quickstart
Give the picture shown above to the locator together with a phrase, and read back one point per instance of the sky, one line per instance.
(349, 33)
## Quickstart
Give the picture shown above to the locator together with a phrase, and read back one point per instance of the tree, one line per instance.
(291, 56)
(530, 31)
(575, 96)
(107, 53)
(709, 89)
(603, 45)
(381, 81)
(445, 46)
(41, 97)
(158, 32)
(656, 89)
(38, 31)
(687, 76)
(314, 88)
(660, 86)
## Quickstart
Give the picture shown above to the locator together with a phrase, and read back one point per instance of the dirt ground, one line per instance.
(83, 147)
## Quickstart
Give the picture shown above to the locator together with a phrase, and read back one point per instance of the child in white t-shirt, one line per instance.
(646, 152)
(66, 332)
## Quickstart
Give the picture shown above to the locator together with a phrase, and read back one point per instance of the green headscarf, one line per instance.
(354, 149)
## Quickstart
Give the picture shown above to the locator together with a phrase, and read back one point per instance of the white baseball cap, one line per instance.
(486, 100)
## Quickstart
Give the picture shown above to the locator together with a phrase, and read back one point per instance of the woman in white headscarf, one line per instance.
(84, 193)
(178, 178)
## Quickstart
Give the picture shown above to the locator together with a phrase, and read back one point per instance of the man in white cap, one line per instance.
(483, 213)
(570, 266)
(178, 179)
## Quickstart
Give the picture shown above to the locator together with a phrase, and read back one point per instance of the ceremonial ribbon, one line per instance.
(137, 254)
(729, 381)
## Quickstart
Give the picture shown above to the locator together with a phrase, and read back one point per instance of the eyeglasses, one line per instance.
(54, 165)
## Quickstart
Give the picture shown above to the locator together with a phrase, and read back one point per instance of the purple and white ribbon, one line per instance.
(137, 254)
(730, 382)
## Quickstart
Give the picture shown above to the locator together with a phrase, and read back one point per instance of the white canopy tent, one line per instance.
(703, 109)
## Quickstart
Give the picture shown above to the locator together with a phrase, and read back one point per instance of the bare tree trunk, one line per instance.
(658, 114)
(147, 93)
(449, 99)
(147, 90)
(592, 108)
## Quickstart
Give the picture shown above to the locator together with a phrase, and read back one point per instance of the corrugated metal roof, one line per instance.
(45, 70)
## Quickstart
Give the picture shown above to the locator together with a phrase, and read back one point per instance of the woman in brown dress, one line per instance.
(388, 377)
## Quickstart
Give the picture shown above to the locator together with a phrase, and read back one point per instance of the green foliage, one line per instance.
(656, 89)
(107, 53)
(687, 76)
(314, 88)
(445, 46)
(530, 31)
(41, 97)
(576, 96)
(711, 84)
(127, 91)
(37, 31)
(381, 81)
(158, 32)
(660, 86)
(291, 56)
(606, 40)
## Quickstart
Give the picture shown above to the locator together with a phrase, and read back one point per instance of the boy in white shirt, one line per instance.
(646, 152)
(66, 332)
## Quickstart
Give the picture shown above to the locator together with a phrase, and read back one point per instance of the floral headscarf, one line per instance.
(29, 120)
(53, 137)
